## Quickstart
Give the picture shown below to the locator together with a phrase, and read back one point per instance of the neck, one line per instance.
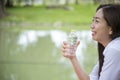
(105, 42)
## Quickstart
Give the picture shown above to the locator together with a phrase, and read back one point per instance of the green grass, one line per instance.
(33, 18)
(78, 18)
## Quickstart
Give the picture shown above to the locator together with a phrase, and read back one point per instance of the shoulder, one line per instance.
(114, 44)
(113, 49)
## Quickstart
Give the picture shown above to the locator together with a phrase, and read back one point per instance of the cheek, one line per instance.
(102, 31)
(102, 34)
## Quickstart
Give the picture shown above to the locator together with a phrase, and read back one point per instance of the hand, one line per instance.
(69, 50)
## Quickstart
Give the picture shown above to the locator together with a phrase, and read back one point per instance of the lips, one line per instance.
(93, 33)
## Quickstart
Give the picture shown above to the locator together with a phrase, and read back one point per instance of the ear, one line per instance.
(110, 31)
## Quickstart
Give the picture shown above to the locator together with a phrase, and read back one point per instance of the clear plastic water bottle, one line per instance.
(72, 38)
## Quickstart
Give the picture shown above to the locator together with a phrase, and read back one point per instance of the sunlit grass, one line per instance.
(77, 17)
(40, 18)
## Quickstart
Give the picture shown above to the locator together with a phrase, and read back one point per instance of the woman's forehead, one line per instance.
(99, 14)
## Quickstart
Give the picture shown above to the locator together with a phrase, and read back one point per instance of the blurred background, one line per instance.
(31, 36)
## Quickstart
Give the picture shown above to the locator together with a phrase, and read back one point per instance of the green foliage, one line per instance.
(39, 64)
(78, 17)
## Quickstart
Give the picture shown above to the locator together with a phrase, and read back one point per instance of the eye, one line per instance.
(96, 21)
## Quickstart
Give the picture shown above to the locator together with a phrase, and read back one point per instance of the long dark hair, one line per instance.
(111, 14)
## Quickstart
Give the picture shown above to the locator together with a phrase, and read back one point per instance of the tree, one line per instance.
(107, 1)
(76, 2)
(96, 1)
(66, 2)
(44, 2)
(9, 3)
(104, 1)
(2, 9)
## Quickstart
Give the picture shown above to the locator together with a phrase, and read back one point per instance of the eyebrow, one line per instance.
(96, 18)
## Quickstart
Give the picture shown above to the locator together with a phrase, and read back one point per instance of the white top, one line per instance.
(111, 65)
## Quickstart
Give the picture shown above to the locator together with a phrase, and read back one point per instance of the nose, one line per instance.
(92, 26)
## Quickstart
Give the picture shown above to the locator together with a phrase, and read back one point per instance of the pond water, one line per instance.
(36, 55)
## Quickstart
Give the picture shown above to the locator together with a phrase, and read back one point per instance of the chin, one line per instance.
(94, 38)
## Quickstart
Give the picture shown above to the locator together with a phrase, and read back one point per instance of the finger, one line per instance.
(68, 51)
(66, 45)
(78, 42)
(65, 55)
(65, 42)
(69, 55)
(63, 50)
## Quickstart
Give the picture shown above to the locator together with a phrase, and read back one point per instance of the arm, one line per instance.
(69, 52)
(79, 70)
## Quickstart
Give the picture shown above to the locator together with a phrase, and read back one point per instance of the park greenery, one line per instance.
(49, 14)
(42, 17)
(65, 18)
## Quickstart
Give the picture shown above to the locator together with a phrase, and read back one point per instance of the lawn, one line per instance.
(39, 17)
(36, 61)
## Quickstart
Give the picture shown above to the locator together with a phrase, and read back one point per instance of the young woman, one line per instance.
(106, 31)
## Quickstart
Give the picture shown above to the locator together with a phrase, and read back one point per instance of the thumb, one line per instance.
(78, 42)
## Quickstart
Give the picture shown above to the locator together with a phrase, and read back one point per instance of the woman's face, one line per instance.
(100, 29)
